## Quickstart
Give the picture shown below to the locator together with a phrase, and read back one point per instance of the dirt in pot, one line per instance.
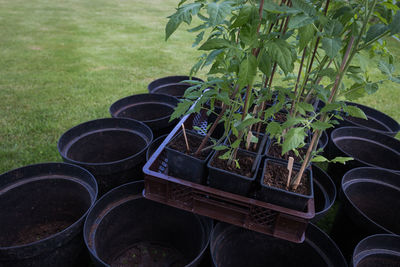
(280, 117)
(37, 232)
(194, 141)
(276, 176)
(150, 254)
(245, 163)
(275, 150)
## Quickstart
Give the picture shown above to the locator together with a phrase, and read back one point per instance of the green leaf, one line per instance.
(243, 17)
(386, 68)
(225, 156)
(273, 128)
(184, 13)
(329, 72)
(281, 53)
(320, 125)
(181, 109)
(394, 26)
(247, 123)
(272, 7)
(342, 160)
(198, 39)
(264, 63)
(299, 21)
(319, 159)
(331, 46)
(173, 24)
(306, 106)
(395, 79)
(333, 28)
(218, 11)
(330, 107)
(247, 70)
(210, 58)
(304, 7)
(371, 88)
(220, 147)
(374, 31)
(214, 43)
(293, 139)
(306, 34)
(354, 111)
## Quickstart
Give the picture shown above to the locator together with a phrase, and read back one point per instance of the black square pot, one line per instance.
(283, 197)
(186, 167)
(229, 181)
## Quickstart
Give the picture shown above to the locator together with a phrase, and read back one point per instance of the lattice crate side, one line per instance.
(263, 216)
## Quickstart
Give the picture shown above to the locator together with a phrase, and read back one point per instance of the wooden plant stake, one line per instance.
(184, 135)
(290, 168)
(249, 136)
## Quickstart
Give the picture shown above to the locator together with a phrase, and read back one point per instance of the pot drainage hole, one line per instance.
(150, 254)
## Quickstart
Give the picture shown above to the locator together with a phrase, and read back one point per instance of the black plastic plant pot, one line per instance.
(184, 166)
(283, 197)
(233, 246)
(324, 192)
(169, 80)
(43, 208)
(173, 89)
(230, 181)
(368, 148)
(154, 146)
(112, 149)
(377, 121)
(153, 109)
(125, 229)
(377, 250)
(370, 204)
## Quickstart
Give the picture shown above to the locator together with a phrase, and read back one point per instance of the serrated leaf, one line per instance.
(331, 46)
(320, 125)
(273, 128)
(330, 107)
(374, 31)
(246, 123)
(247, 70)
(299, 21)
(319, 158)
(306, 106)
(306, 34)
(329, 72)
(218, 11)
(342, 160)
(354, 111)
(243, 16)
(213, 54)
(215, 43)
(304, 7)
(183, 14)
(181, 109)
(386, 68)
(281, 53)
(198, 39)
(225, 156)
(264, 63)
(220, 147)
(394, 26)
(173, 24)
(395, 79)
(277, 9)
(371, 88)
(293, 139)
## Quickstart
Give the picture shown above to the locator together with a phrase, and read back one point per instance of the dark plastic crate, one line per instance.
(242, 211)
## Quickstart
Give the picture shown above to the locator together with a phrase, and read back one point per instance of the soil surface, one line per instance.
(275, 151)
(35, 233)
(245, 162)
(280, 117)
(276, 176)
(150, 254)
(194, 141)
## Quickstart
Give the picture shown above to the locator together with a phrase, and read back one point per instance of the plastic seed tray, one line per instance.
(242, 211)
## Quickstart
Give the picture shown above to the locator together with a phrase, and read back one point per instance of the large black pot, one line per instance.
(43, 207)
(324, 193)
(173, 89)
(369, 205)
(234, 246)
(153, 109)
(368, 148)
(112, 149)
(124, 227)
(377, 250)
(169, 80)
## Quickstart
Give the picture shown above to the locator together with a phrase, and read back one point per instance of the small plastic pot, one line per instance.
(169, 80)
(187, 167)
(112, 149)
(368, 148)
(123, 228)
(152, 109)
(233, 246)
(43, 208)
(369, 205)
(173, 89)
(230, 181)
(282, 197)
(377, 250)
(324, 192)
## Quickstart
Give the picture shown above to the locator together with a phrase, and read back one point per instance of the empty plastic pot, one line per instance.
(169, 80)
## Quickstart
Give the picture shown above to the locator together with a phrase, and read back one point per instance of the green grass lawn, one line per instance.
(65, 62)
